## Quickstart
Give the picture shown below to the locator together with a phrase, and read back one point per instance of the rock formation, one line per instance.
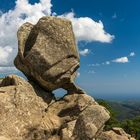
(28, 112)
(48, 53)
(28, 109)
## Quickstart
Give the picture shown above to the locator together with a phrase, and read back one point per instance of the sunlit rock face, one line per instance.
(29, 112)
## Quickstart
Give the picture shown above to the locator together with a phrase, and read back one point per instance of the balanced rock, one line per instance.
(48, 54)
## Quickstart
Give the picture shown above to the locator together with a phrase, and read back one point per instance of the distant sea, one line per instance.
(105, 96)
(118, 97)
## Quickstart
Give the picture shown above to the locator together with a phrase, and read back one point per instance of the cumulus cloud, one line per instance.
(87, 29)
(10, 22)
(84, 52)
(121, 60)
(124, 59)
(5, 53)
(132, 54)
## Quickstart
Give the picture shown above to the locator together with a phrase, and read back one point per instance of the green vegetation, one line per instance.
(131, 126)
(1, 78)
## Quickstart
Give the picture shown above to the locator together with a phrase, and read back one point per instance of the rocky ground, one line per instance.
(27, 112)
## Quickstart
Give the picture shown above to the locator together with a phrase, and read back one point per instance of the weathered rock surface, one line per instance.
(21, 110)
(48, 53)
(115, 134)
(28, 112)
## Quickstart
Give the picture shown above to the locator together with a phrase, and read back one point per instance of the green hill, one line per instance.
(125, 115)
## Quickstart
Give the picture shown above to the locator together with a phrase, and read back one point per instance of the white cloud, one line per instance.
(84, 52)
(87, 29)
(94, 65)
(132, 54)
(10, 22)
(117, 60)
(5, 53)
(97, 64)
(121, 60)
(107, 63)
(78, 74)
(8, 70)
(91, 72)
(114, 16)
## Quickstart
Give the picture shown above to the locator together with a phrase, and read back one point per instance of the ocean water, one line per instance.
(106, 96)
(118, 96)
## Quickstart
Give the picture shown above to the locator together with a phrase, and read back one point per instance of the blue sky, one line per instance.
(110, 67)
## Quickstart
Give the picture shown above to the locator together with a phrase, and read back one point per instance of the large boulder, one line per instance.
(48, 54)
(114, 134)
(22, 107)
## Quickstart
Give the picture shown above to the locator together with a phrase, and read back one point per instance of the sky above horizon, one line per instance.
(107, 35)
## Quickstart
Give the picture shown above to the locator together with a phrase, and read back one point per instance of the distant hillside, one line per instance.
(126, 109)
(1, 79)
(123, 114)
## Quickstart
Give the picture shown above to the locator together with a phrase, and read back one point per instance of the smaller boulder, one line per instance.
(90, 121)
(115, 134)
